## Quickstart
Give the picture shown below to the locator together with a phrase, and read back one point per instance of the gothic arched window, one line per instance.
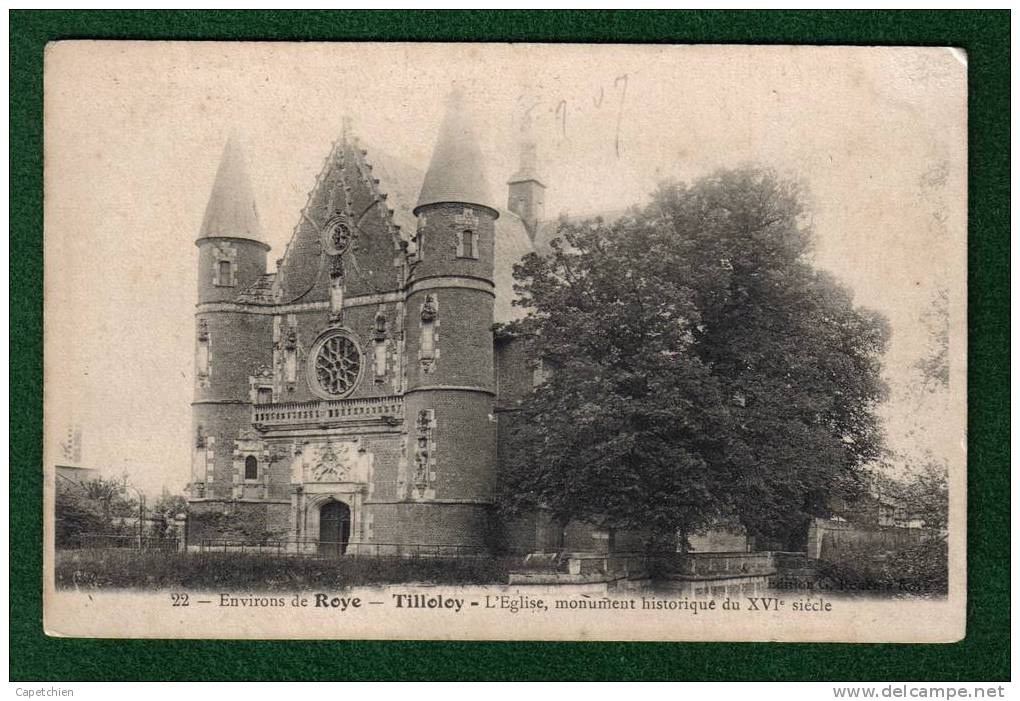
(251, 468)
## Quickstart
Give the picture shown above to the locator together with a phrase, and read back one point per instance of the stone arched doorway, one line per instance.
(334, 528)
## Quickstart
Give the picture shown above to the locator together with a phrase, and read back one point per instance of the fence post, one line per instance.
(181, 529)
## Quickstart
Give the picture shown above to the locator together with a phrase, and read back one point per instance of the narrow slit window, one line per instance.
(202, 351)
(380, 346)
(224, 273)
(467, 245)
(428, 339)
(202, 358)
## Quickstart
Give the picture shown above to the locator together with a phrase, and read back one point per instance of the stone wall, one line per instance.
(532, 532)
(247, 260)
(433, 523)
(359, 324)
(438, 241)
(832, 540)
(514, 373)
(465, 443)
(243, 521)
(463, 338)
(238, 345)
(719, 540)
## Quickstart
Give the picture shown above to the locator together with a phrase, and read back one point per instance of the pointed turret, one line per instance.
(526, 195)
(449, 373)
(232, 252)
(228, 344)
(231, 211)
(455, 173)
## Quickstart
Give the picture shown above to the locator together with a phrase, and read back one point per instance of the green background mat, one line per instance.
(983, 655)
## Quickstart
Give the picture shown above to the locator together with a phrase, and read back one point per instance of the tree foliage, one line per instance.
(76, 513)
(702, 368)
(934, 365)
(90, 507)
(111, 494)
(165, 511)
(926, 493)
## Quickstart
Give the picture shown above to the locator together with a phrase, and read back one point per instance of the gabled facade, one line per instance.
(352, 398)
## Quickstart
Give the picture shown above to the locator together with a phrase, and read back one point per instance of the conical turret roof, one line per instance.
(455, 172)
(231, 210)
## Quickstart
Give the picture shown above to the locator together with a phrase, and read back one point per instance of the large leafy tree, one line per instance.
(702, 368)
(111, 495)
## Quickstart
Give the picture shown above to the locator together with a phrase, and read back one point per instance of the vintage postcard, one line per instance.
(505, 341)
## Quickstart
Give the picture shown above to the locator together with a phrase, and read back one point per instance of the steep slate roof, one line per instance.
(402, 181)
(512, 244)
(346, 185)
(231, 209)
(548, 229)
(456, 170)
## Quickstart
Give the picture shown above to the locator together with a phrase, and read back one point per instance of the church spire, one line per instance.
(527, 167)
(231, 209)
(526, 194)
(455, 172)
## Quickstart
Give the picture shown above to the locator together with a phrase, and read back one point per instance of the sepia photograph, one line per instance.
(505, 341)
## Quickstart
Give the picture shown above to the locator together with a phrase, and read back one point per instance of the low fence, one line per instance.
(621, 564)
(320, 548)
(618, 564)
(106, 541)
(724, 564)
(682, 564)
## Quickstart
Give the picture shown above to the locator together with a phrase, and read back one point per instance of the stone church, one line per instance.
(352, 399)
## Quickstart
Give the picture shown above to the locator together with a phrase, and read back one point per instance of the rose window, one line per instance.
(341, 236)
(336, 236)
(337, 365)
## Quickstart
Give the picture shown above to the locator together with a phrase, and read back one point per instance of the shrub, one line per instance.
(921, 569)
(116, 569)
(76, 514)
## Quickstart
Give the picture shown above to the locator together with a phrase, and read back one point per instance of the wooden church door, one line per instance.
(334, 528)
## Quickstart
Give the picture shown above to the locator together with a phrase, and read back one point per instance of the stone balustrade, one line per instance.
(388, 409)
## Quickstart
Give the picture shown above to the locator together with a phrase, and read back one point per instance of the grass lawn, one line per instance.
(121, 569)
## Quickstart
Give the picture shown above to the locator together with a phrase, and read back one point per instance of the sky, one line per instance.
(134, 133)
